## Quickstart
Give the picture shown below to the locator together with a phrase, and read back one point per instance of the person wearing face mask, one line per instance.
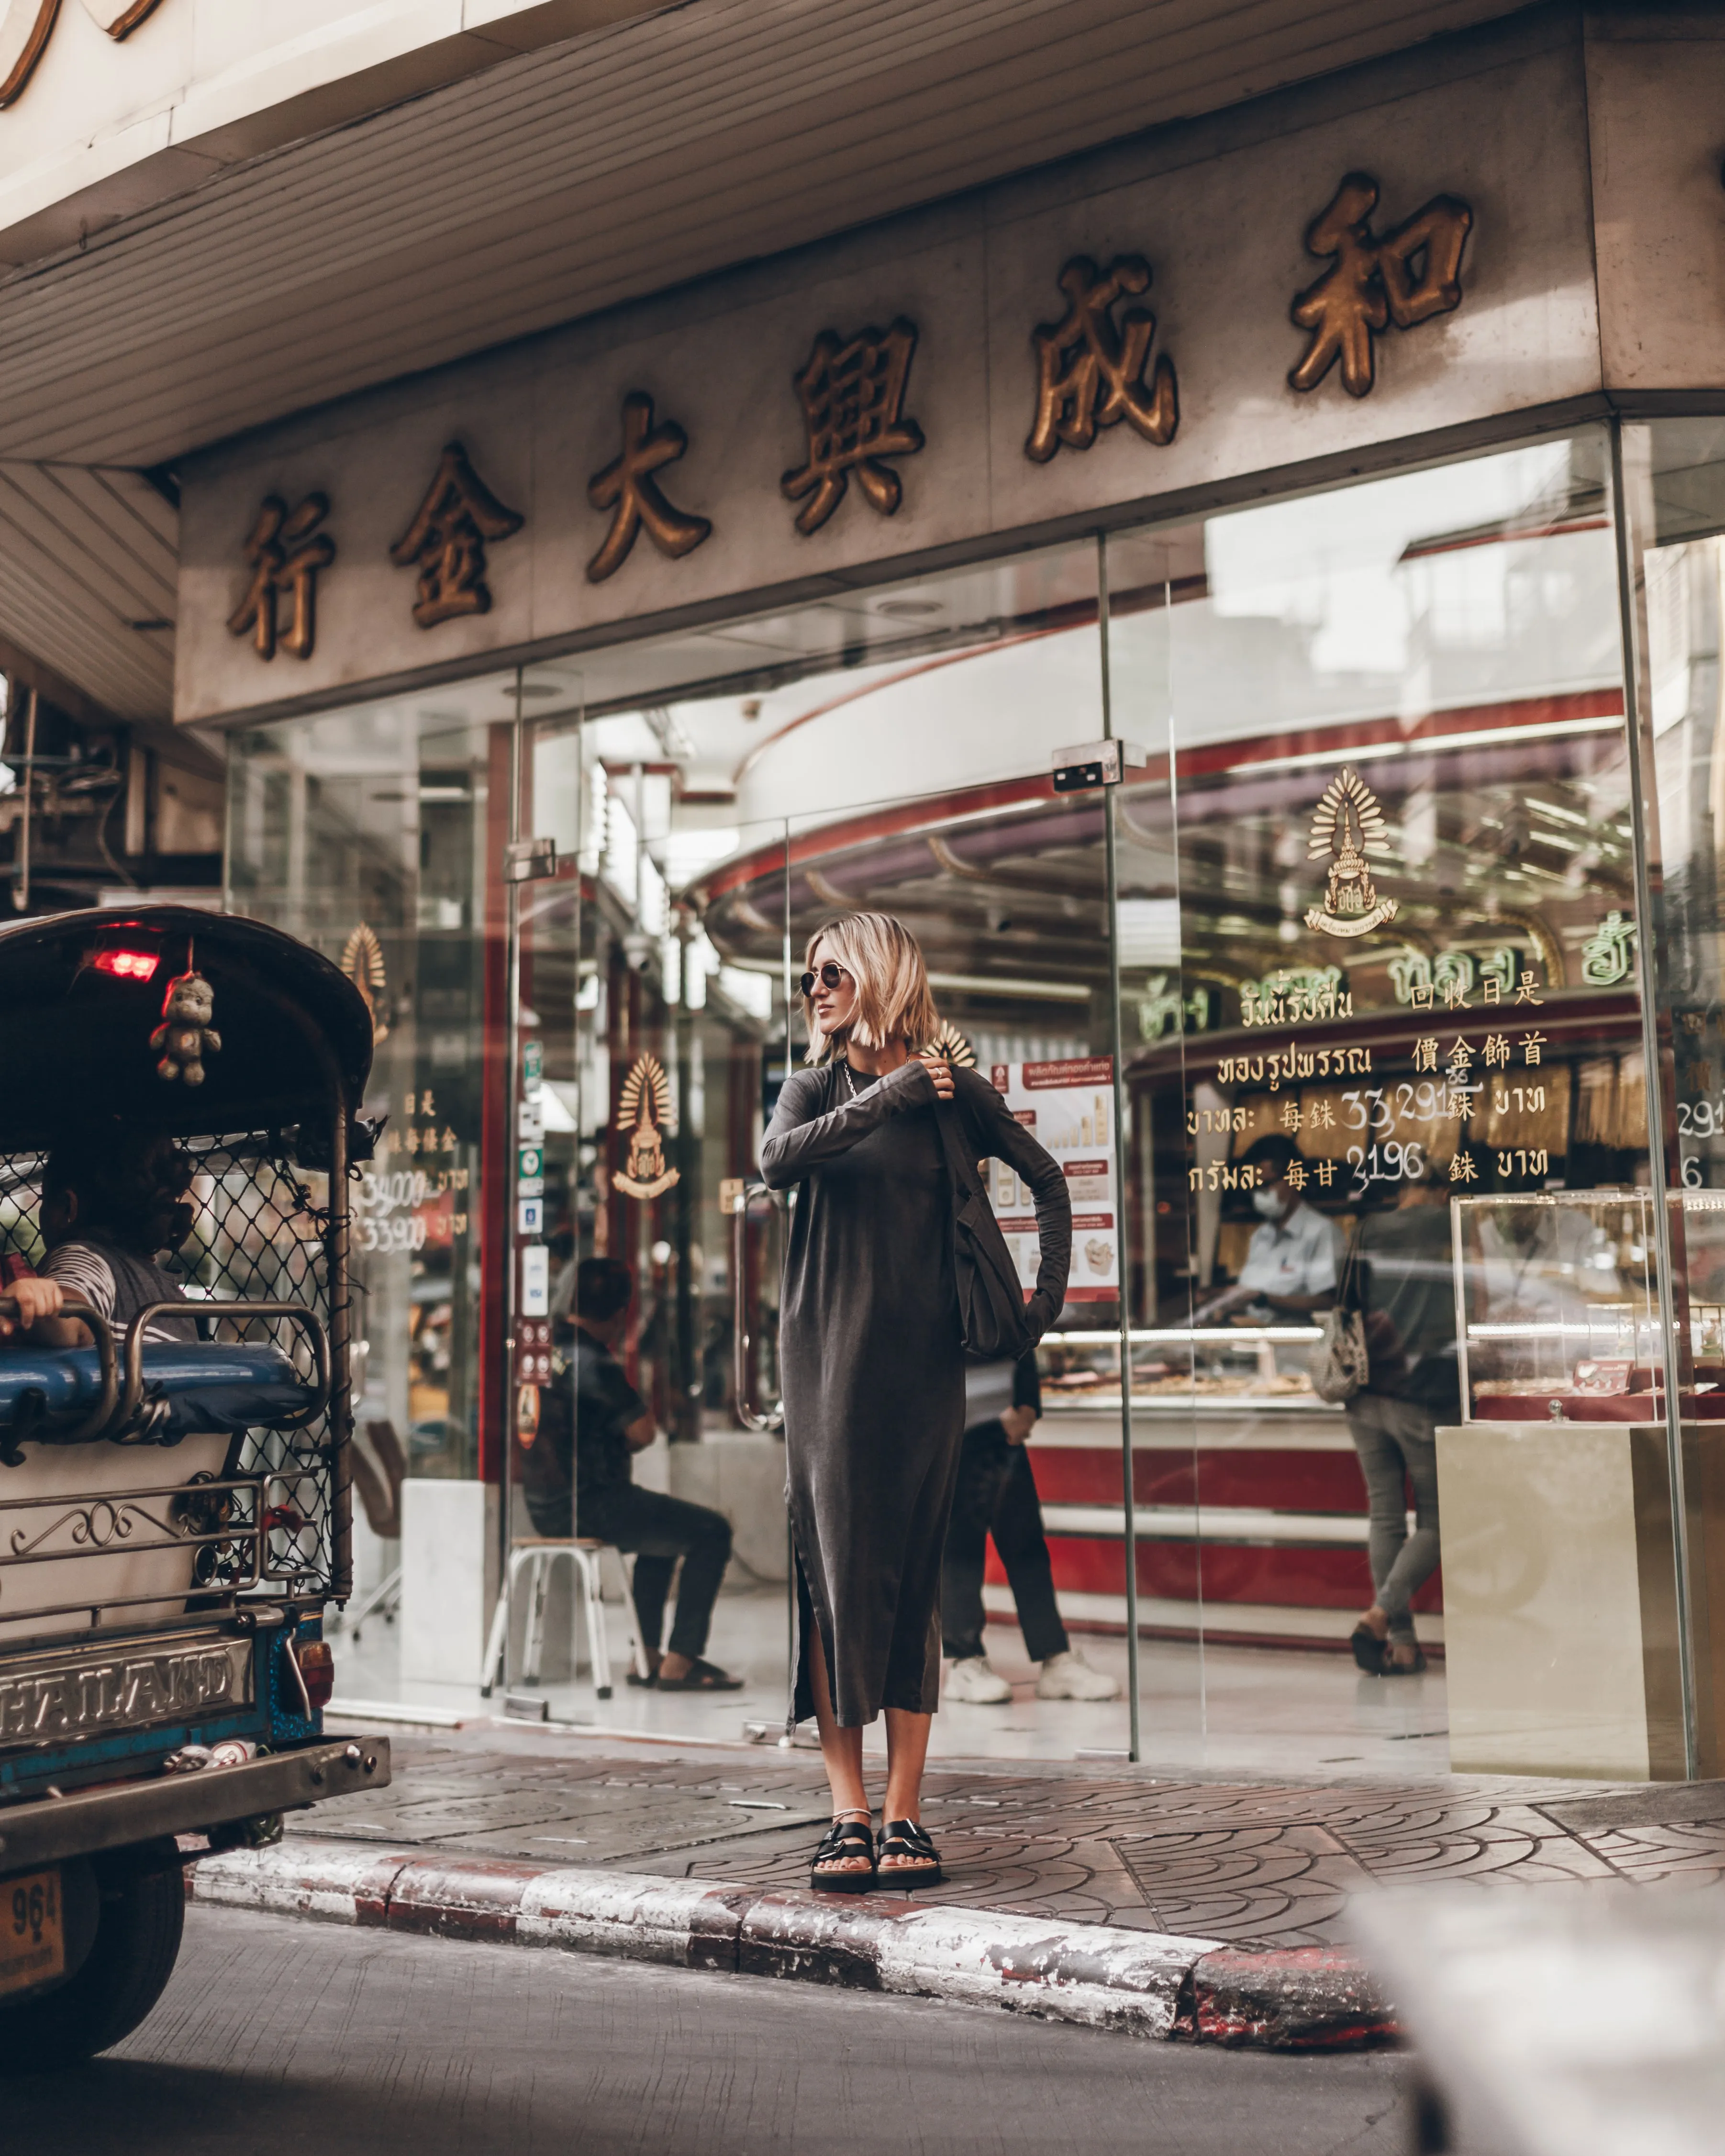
(1291, 1266)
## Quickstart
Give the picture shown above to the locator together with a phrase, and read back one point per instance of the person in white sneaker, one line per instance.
(996, 1494)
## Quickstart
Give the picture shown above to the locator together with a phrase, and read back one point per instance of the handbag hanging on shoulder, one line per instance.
(1340, 1365)
(991, 1303)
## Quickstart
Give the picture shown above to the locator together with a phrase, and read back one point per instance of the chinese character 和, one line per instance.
(627, 486)
(1374, 282)
(852, 397)
(446, 541)
(1090, 373)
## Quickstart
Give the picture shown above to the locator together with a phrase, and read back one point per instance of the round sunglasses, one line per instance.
(829, 977)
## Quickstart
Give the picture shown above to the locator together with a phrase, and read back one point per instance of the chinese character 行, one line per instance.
(1090, 373)
(1532, 1042)
(627, 487)
(1461, 1168)
(851, 396)
(286, 550)
(1425, 1053)
(1496, 1051)
(1374, 282)
(447, 540)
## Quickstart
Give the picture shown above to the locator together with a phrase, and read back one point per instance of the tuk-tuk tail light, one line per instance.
(317, 1667)
(127, 965)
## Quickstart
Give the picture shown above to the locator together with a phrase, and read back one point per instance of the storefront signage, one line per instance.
(627, 487)
(26, 25)
(643, 1110)
(1348, 825)
(285, 551)
(853, 396)
(446, 541)
(1605, 958)
(902, 394)
(1405, 278)
(1090, 371)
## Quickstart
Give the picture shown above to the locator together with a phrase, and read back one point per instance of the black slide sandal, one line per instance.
(905, 1838)
(846, 1838)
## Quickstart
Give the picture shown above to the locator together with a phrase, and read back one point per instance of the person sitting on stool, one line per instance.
(579, 1465)
(996, 1494)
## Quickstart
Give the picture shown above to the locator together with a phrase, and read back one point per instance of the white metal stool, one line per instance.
(534, 1555)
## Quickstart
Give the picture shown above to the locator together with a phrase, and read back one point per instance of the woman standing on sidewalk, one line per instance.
(872, 1359)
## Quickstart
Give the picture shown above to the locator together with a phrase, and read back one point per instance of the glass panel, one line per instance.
(708, 753)
(1403, 802)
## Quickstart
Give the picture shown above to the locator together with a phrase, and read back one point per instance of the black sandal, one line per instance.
(846, 1838)
(703, 1676)
(1369, 1651)
(905, 1838)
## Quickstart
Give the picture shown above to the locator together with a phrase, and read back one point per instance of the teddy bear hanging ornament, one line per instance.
(185, 1035)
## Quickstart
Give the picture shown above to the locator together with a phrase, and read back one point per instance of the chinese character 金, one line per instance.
(852, 397)
(447, 539)
(627, 487)
(1374, 282)
(1461, 1057)
(1090, 373)
(286, 550)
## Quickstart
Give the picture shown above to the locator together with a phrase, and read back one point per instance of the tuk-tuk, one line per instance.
(174, 1512)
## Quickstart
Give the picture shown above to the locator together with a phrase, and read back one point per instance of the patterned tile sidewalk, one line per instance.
(1264, 1863)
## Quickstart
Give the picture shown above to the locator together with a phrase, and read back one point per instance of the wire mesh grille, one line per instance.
(258, 1230)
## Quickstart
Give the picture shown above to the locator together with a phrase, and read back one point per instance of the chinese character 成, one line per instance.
(1090, 373)
(1374, 282)
(852, 397)
(446, 541)
(286, 550)
(627, 487)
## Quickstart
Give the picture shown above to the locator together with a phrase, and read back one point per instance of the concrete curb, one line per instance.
(1143, 1984)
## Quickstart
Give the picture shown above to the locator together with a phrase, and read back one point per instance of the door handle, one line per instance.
(736, 1197)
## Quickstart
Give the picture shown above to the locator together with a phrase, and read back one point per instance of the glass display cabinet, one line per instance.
(1223, 1368)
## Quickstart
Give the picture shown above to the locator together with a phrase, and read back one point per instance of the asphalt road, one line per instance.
(283, 2038)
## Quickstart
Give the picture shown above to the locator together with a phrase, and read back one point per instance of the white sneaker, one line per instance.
(1069, 1677)
(973, 1683)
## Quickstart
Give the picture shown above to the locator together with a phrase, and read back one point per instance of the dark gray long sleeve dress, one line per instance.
(873, 1363)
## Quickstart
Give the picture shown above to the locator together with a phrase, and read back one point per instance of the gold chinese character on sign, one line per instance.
(1090, 371)
(853, 398)
(447, 540)
(1348, 826)
(26, 25)
(627, 487)
(643, 1110)
(285, 551)
(1406, 277)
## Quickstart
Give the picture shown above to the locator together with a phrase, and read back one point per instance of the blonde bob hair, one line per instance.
(893, 999)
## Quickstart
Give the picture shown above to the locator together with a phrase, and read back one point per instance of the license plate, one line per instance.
(32, 1939)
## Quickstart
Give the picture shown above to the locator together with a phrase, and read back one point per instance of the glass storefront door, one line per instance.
(1342, 991)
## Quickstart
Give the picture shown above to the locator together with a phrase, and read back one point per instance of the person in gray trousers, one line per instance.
(1400, 1269)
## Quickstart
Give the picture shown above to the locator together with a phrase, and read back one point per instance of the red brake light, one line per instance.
(318, 1666)
(127, 965)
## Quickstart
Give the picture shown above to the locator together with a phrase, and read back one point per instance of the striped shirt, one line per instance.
(85, 1275)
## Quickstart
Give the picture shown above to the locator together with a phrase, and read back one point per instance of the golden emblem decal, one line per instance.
(362, 963)
(643, 1110)
(949, 1046)
(1348, 825)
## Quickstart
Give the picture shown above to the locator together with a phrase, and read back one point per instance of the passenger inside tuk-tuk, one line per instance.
(111, 1200)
